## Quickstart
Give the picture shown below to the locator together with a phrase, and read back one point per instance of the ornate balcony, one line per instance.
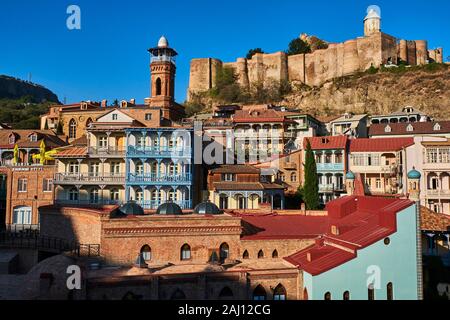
(330, 188)
(159, 152)
(438, 193)
(107, 152)
(330, 167)
(90, 203)
(154, 204)
(89, 178)
(152, 178)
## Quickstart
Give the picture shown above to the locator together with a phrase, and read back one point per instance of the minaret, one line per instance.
(414, 195)
(162, 68)
(372, 22)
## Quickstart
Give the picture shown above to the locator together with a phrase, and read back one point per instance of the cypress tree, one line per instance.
(311, 186)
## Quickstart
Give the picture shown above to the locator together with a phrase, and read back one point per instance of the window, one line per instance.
(148, 116)
(279, 293)
(33, 137)
(338, 158)
(227, 177)
(275, 254)
(73, 194)
(409, 128)
(173, 169)
(223, 202)
(114, 194)
(102, 142)
(47, 185)
(437, 127)
(146, 252)
(114, 116)
(94, 169)
(94, 196)
(140, 141)
(328, 158)
(139, 196)
(282, 177)
(387, 129)
(139, 168)
(158, 87)
(327, 296)
(371, 292)
(72, 129)
(260, 254)
(390, 291)
(346, 295)
(22, 185)
(378, 183)
(259, 293)
(12, 139)
(115, 168)
(293, 177)
(74, 167)
(245, 255)
(224, 251)
(173, 196)
(22, 215)
(185, 252)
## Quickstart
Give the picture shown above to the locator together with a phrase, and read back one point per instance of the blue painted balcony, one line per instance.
(159, 152)
(322, 167)
(152, 179)
(154, 204)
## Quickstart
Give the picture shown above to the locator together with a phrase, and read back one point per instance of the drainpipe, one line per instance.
(419, 252)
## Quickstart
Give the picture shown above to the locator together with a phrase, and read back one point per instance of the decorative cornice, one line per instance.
(172, 230)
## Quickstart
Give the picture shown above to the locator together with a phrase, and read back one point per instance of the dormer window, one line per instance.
(387, 129)
(114, 116)
(325, 140)
(437, 127)
(410, 128)
(227, 177)
(12, 139)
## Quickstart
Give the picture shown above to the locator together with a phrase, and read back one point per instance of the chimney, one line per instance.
(104, 103)
(133, 101)
(308, 256)
(123, 104)
(334, 230)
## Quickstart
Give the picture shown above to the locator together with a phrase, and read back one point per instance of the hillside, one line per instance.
(374, 92)
(21, 102)
(12, 88)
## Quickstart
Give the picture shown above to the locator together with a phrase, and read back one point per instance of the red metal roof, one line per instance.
(358, 221)
(401, 128)
(379, 145)
(328, 142)
(72, 152)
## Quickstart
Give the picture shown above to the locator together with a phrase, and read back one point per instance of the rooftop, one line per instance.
(379, 145)
(328, 142)
(429, 127)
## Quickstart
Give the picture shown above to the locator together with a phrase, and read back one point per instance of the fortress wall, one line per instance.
(436, 55)
(351, 60)
(202, 74)
(411, 46)
(321, 65)
(421, 51)
(403, 50)
(263, 67)
(296, 67)
(388, 49)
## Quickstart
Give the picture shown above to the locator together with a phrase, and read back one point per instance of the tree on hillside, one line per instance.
(311, 186)
(298, 46)
(226, 88)
(251, 52)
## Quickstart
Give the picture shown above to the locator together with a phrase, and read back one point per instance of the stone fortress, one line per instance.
(375, 48)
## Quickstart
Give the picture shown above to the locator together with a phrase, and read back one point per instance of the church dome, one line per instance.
(169, 208)
(350, 175)
(131, 208)
(207, 207)
(163, 43)
(414, 174)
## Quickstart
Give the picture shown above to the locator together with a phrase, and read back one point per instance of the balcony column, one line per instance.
(79, 168)
(103, 160)
(108, 134)
(159, 142)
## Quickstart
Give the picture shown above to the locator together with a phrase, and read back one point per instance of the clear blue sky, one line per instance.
(108, 57)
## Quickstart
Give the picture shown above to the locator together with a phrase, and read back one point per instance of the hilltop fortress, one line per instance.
(375, 48)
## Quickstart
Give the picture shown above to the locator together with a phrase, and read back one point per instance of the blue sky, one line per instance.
(108, 58)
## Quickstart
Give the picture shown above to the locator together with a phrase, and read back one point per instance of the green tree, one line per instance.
(298, 46)
(59, 128)
(311, 187)
(115, 103)
(251, 52)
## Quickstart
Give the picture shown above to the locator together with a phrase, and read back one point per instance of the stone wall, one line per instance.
(315, 68)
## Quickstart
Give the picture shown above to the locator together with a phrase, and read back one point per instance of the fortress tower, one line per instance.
(372, 22)
(162, 68)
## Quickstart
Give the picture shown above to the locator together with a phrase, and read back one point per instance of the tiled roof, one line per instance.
(235, 168)
(80, 142)
(258, 115)
(401, 128)
(379, 145)
(274, 226)
(23, 141)
(72, 152)
(360, 221)
(432, 221)
(328, 142)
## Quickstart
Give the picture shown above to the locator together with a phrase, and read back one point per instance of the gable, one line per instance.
(115, 116)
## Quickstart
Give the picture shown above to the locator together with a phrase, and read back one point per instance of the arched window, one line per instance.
(279, 293)
(259, 293)
(158, 87)
(260, 254)
(346, 295)
(73, 194)
(139, 168)
(178, 295)
(185, 252)
(72, 129)
(245, 255)
(327, 296)
(226, 293)
(390, 291)
(224, 251)
(293, 177)
(146, 252)
(88, 122)
(275, 254)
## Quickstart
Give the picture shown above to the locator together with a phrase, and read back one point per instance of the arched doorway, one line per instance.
(279, 293)
(259, 293)
(224, 252)
(225, 294)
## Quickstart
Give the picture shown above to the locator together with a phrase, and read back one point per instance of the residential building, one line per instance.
(408, 114)
(354, 126)
(330, 153)
(381, 164)
(242, 187)
(412, 129)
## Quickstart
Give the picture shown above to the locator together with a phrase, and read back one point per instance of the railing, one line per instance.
(330, 187)
(91, 203)
(438, 192)
(22, 228)
(89, 178)
(110, 151)
(161, 151)
(154, 204)
(132, 177)
(330, 166)
(14, 240)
